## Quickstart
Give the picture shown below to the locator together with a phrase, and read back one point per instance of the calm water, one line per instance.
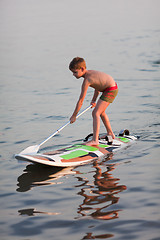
(117, 197)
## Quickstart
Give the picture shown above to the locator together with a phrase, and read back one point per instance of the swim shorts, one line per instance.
(109, 94)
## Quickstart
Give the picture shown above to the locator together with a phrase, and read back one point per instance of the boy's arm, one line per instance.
(95, 95)
(84, 89)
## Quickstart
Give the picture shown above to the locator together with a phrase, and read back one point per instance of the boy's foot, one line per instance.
(112, 135)
(92, 143)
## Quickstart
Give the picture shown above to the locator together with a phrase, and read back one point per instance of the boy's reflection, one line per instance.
(101, 195)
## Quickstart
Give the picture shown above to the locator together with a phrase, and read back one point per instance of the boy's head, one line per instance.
(77, 63)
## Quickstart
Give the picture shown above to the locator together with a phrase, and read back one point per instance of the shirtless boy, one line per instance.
(101, 82)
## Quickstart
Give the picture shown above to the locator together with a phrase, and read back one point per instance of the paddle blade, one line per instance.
(30, 150)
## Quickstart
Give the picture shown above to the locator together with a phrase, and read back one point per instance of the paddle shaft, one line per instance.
(52, 135)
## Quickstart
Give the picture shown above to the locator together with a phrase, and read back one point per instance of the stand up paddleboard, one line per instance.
(79, 154)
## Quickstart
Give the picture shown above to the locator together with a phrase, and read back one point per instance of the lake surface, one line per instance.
(117, 197)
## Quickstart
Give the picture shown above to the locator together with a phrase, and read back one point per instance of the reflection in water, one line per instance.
(99, 189)
(102, 236)
(38, 175)
(33, 211)
(100, 195)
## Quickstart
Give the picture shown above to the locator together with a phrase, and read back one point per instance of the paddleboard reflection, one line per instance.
(37, 175)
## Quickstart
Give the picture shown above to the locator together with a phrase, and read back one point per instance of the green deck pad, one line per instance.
(88, 148)
(78, 153)
(125, 140)
(103, 145)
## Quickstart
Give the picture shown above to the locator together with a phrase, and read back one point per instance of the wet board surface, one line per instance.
(78, 154)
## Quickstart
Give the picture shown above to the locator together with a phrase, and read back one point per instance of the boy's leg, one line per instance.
(107, 124)
(101, 107)
(98, 111)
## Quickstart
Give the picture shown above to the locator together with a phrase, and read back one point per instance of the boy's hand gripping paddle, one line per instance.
(35, 148)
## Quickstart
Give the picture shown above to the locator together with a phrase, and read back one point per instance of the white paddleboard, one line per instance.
(79, 154)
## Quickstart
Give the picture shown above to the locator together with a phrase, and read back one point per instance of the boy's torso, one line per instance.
(99, 80)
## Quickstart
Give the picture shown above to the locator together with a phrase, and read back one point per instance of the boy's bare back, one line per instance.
(99, 80)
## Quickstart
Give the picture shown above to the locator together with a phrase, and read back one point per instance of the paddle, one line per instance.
(34, 149)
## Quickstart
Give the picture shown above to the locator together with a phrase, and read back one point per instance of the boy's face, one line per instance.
(78, 73)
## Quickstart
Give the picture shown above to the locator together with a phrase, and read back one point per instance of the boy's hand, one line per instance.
(72, 119)
(93, 104)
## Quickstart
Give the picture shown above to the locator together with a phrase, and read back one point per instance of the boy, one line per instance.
(101, 82)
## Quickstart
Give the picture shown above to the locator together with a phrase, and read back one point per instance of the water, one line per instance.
(117, 198)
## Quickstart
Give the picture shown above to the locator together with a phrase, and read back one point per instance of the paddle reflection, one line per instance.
(102, 236)
(38, 175)
(101, 194)
(33, 212)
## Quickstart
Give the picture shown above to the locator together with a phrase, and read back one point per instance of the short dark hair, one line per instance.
(77, 63)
